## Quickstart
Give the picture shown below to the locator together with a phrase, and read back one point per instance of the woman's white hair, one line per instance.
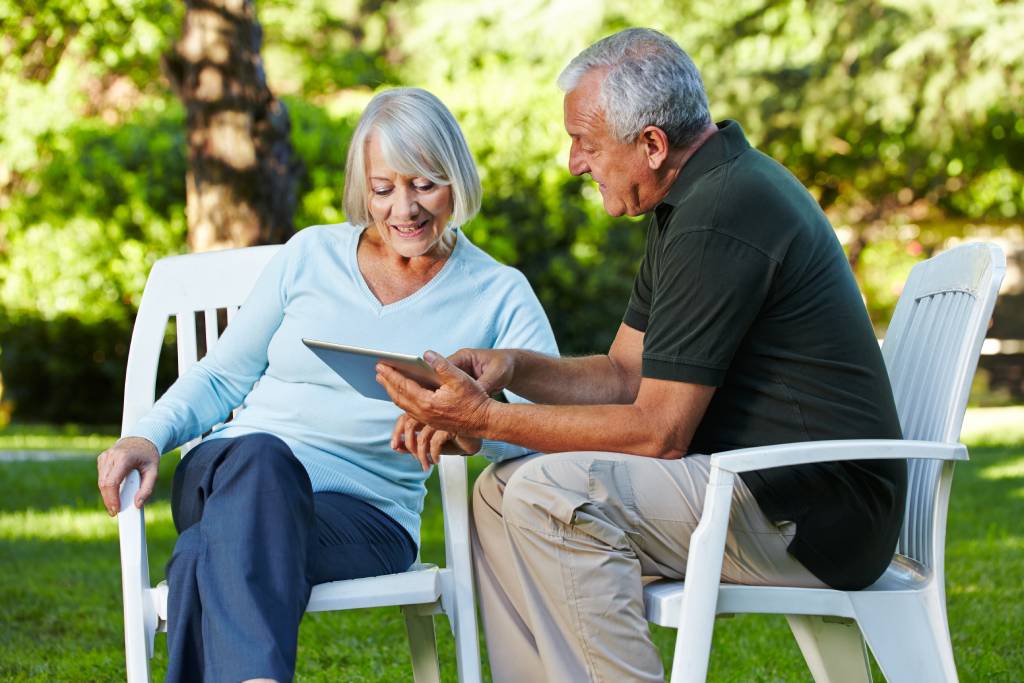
(418, 137)
(650, 81)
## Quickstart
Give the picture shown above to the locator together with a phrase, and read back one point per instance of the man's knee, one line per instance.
(489, 488)
(544, 492)
(564, 491)
(487, 491)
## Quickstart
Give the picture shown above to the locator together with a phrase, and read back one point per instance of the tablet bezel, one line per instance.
(413, 367)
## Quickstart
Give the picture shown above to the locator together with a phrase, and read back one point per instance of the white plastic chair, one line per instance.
(931, 352)
(195, 287)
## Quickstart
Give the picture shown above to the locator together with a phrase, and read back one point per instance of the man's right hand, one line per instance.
(492, 368)
(114, 464)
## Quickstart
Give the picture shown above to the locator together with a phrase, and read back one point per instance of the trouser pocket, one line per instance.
(608, 513)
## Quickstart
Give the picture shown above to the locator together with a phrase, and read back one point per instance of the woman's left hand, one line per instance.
(426, 443)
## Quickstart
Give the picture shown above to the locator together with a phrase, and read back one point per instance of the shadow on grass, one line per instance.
(60, 587)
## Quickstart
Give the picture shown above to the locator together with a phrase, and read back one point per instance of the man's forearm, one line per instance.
(559, 428)
(580, 381)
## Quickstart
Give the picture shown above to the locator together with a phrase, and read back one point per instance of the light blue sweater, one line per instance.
(313, 288)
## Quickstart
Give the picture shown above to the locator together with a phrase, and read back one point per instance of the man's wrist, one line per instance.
(515, 359)
(488, 413)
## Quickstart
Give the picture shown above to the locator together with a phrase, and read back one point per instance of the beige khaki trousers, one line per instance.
(561, 543)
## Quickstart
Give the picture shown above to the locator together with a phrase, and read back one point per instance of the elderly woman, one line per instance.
(303, 486)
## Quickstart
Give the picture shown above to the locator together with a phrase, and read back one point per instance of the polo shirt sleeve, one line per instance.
(709, 289)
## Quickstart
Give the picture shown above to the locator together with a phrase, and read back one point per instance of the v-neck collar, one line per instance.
(384, 309)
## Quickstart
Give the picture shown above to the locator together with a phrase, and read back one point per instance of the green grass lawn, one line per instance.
(60, 584)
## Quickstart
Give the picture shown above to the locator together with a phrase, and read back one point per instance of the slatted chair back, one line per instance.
(202, 292)
(931, 372)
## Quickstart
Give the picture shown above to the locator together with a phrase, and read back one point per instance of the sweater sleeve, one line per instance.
(207, 393)
(521, 324)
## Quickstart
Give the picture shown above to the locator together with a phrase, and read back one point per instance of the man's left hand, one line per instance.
(460, 405)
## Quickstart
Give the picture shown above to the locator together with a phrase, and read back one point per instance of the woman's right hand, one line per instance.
(114, 464)
(426, 444)
(492, 368)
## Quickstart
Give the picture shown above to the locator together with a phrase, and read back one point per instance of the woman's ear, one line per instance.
(655, 146)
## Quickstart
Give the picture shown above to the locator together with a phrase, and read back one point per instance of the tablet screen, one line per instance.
(357, 366)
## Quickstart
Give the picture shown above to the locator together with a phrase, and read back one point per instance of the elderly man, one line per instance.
(745, 327)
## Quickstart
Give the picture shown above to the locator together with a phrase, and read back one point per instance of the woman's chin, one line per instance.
(410, 248)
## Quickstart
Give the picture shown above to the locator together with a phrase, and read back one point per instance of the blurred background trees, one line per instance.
(242, 170)
(903, 117)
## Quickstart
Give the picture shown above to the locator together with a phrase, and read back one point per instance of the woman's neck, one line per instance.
(391, 276)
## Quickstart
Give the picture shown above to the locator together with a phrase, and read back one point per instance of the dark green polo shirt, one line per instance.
(745, 287)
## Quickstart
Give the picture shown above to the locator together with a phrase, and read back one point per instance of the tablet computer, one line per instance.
(357, 366)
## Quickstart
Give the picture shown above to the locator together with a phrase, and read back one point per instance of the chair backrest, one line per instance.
(202, 292)
(931, 351)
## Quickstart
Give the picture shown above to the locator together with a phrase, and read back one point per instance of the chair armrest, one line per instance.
(139, 611)
(806, 452)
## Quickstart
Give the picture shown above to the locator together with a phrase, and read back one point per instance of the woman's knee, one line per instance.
(264, 457)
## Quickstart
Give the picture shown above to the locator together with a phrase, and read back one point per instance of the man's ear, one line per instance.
(655, 146)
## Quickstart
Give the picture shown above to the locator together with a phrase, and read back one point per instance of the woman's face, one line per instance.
(410, 213)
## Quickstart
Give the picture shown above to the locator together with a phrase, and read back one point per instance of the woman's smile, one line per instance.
(410, 230)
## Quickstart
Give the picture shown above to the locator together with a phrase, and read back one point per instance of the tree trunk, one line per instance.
(242, 170)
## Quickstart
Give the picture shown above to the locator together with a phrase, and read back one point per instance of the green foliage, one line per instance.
(88, 222)
(64, 369)
(78, 239)
(535, 216)
(905, 119)
(321, 140)
(318, 47)
(118, 36)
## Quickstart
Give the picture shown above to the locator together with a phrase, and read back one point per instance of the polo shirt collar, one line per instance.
(725, 145)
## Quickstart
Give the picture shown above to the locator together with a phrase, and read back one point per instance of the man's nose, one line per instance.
(577, 164)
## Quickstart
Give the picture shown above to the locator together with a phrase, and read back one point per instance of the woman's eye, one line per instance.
(382, 191)
(425, 187)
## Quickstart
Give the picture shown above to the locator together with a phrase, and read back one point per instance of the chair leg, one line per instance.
(908, 635)
(833, 648)
(467, 645)
(422, 645)
(136, 658)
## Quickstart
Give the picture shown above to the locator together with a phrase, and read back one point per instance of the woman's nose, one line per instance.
(407, 204)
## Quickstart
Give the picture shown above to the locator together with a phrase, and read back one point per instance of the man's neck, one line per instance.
(677, 159)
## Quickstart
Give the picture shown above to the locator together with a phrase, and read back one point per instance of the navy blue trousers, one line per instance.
(253, 541)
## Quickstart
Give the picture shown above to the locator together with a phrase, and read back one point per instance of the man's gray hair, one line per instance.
(650, 81)
(418, 137)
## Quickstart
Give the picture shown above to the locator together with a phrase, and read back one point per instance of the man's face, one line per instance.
(620, 169)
